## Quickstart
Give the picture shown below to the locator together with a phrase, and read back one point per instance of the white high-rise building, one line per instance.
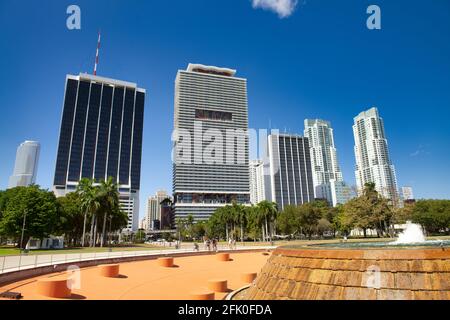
(407, 193)
(257, 188)
(324, 162)
(25, 167)
(373, 163)
(211, 144)
(154, 207)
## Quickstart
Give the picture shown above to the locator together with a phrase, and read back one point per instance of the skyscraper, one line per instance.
(211, 160)
(101, 137)
(257, 187)
(25, 167)
(407, 193)
(373, 163)
(290, 170)
(324, 162)
(154, 207)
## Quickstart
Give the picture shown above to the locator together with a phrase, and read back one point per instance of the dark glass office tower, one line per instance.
(101, 137)
(290, 170)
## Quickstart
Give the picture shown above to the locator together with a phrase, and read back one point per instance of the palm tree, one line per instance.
(240, 217)
(89, 202)
(109, 199)
(268, 212)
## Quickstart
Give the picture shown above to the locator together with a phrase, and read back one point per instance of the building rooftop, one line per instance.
(200, 68)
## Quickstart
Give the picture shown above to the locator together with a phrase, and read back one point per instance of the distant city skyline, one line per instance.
(299, 67)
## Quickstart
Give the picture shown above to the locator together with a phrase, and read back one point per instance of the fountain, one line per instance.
(413, 234)
(410, 268)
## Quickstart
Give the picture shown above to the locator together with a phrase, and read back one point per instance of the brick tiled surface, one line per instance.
(372, 274)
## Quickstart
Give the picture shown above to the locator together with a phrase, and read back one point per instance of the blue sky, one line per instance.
(319, 62)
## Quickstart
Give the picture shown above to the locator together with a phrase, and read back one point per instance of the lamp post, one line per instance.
(23, 229)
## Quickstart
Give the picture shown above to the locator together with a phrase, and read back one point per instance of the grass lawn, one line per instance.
(10, 251)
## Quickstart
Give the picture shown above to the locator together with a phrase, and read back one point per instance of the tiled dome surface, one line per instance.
(336, 274)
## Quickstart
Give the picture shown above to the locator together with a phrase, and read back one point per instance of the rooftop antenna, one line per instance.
(97, 53)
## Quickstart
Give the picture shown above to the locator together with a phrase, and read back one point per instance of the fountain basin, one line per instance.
(387, 245)
(318, 273)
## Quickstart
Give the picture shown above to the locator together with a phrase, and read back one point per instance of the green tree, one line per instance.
(108, 195)
(268, 212)
(308, 218)
(32, 205)
(433, 215)
(288, 220)
(71, 218)
(89, 204)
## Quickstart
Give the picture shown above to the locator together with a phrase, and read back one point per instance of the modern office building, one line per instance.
(257, 187)
(373, 163)
(26, 165)
(324, 161)
(154, 206)
(407, 193)
(143, 224)
(101, 137)
(211, 145)
(290, 170)
(341, 193)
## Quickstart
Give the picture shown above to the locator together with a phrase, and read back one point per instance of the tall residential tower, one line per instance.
(373, 163)
(211, 160)
(101, 137)
(324, 162)
(25, 167)
(257, 186)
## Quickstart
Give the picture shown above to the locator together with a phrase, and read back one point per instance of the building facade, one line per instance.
(211, 145)
(341, 193)
(324, 161)
(290, 170)
(154, 207)
(407, 193)
(373, 163)
(257, 186)
(26, 165)
(101, 137)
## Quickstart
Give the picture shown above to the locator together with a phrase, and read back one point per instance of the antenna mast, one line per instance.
(97, 54)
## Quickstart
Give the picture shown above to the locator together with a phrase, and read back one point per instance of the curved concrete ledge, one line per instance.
(232, 294)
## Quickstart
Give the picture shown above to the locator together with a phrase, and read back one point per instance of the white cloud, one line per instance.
(284, 8)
